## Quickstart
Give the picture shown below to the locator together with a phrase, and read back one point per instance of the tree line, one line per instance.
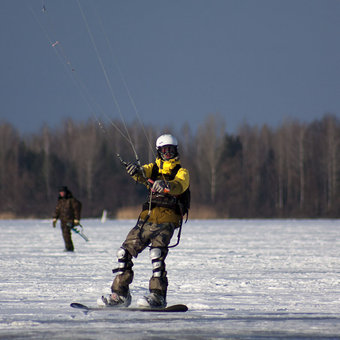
(291, 171)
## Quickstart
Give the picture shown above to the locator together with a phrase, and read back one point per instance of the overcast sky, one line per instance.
(168, 62)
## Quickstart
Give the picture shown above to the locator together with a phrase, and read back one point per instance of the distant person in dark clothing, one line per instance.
(67, 210)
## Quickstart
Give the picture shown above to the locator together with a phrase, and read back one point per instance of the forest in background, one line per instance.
(290, 171)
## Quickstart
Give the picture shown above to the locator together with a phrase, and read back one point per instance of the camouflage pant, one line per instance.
(66, 231)
(155, 235)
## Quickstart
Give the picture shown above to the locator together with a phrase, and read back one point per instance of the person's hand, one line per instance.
(132, 168)
(160, 186)
(76, 222)
(54, 222)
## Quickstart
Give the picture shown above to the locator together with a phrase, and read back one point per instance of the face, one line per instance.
(168, 152)
(62, 193)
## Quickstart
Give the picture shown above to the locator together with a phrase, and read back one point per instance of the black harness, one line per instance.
(180, 203)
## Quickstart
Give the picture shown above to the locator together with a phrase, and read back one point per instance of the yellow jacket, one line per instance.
(177, 186)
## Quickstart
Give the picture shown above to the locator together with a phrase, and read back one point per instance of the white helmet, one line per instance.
(166, 146)
(166, 140)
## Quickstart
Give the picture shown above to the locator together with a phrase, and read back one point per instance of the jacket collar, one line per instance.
(165, 167)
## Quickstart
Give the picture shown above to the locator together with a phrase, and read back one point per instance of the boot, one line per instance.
(114, 300)
(153, 300)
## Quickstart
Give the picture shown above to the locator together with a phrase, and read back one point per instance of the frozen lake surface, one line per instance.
(241, 279)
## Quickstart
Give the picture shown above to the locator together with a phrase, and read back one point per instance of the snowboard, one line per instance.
(170, 309)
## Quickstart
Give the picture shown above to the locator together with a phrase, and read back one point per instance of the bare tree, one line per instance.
(47, 164)
(209, 148)
(9, 167)
(87, 147)
(331, 153)
(301, 144)
(252, 159)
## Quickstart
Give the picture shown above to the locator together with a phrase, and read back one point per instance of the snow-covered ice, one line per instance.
(241, 279)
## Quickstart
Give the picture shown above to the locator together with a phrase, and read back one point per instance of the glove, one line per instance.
(54, 222)
(76, 222)
(160, 186)
(132, 168)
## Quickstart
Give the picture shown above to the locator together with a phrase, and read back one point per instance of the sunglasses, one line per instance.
(168, 151)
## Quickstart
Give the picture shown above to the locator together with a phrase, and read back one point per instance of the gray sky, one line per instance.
(254, 61)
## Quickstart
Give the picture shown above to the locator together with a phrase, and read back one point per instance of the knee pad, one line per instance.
(121, 253)
(124, 261)
(158, 265)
